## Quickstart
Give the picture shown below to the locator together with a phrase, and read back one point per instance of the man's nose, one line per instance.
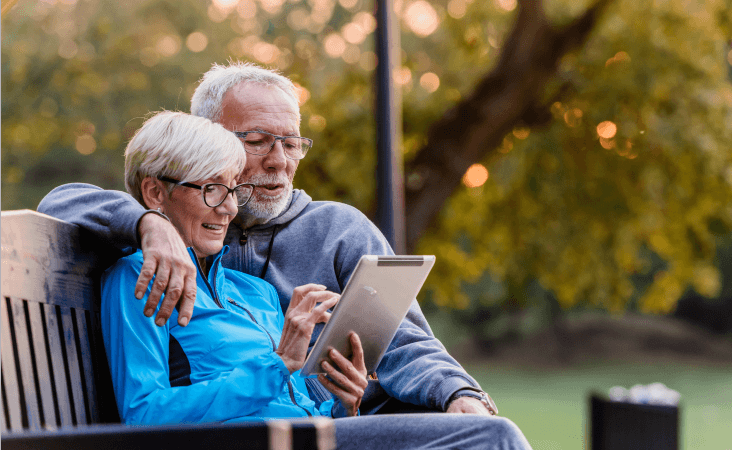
(275, 159)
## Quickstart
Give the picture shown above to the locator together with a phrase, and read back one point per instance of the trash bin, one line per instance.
(620, 425)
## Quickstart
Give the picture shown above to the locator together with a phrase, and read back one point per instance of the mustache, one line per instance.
(265, 179)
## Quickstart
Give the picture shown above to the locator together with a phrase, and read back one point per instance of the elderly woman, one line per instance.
(238, 357)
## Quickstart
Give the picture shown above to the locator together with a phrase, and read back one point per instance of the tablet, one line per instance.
(373, 304)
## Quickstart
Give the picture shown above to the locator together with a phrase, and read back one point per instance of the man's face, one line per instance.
(250, 107)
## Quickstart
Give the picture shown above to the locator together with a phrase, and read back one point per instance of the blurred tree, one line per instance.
(614, 201)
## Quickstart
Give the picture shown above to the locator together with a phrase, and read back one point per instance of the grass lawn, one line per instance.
(551, 407)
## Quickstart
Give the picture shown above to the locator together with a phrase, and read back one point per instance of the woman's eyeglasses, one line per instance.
(214, 194)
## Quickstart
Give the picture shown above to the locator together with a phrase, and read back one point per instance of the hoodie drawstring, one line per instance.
(269, 253)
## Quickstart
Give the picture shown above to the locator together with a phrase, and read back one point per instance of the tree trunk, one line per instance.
(509, 96)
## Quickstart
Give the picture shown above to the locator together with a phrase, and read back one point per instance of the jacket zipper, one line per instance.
(274, 348)
(214, 295)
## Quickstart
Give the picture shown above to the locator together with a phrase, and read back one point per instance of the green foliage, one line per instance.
(587, 217)
(560, 218)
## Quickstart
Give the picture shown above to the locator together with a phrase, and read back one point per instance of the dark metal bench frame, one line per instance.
(56, 387)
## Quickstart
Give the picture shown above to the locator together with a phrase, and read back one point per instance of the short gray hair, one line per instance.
(207, 99)
(180, 146)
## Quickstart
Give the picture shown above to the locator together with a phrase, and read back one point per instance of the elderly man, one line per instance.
(281, 235)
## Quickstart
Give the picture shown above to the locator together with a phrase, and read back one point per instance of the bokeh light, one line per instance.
(353, 33)
(352, 54)
(334, 45)
(457, 8)
(507, 5)
(429, 82)
(573, 117)
(303, 95)
(607, 129)
(607, 144)
(317, 122)
(85, 144)
(197, 42)
(421, 18)
(348, 4)
(402, 76)
(247, 9)
(521, 133)
(265, 52)
(366, 20)
(168, 45)
(272, 6)
(475, 176)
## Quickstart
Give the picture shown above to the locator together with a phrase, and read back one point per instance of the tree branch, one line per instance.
(507, 97)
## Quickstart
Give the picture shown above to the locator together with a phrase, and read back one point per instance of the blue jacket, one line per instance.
(221, 367)
(311, 242)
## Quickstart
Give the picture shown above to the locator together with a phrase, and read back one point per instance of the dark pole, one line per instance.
(389, 172)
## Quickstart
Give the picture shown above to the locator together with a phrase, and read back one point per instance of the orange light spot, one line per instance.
(86, 144)
(429, 82)
(334, 45)
(402, 76)
(607, 144)
(506, 146)
(607, 129)
(507, 5)
(475, 176)
(521, 133)
(196, 42)
(303, 95)
(573, 117)
(421, 18)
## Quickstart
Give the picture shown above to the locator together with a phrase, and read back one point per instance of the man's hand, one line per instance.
(165, 258)
(467, 405)
(300, 320)
(350, 382)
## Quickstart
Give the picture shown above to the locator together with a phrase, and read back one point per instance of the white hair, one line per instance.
(180, 146)
(209, 95)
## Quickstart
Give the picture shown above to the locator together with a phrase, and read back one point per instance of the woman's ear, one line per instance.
(153, 193)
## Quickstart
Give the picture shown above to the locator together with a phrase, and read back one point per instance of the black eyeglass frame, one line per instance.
(196, 186)
(243, 135)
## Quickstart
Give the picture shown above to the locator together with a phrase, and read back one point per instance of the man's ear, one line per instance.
(153, 192)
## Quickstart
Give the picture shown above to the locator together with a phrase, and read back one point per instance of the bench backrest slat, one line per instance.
(58, 370)
(40, 350)
(11, 388)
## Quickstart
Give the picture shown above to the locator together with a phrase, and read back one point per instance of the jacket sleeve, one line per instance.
(137, 351)
(111, 215)
(416, 368)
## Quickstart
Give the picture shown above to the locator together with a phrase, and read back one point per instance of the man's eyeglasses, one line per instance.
(214, 194)
(261, 143)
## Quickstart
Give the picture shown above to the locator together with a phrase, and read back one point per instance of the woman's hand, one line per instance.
(300, 320)
(350, 382)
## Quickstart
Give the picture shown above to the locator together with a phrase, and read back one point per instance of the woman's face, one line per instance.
(201, 226)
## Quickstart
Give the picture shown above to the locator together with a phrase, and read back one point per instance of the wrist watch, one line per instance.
(480, 395)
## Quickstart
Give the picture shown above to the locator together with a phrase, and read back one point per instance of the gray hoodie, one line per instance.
(310, 242)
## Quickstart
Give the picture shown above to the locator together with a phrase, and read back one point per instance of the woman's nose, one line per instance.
(229, 205)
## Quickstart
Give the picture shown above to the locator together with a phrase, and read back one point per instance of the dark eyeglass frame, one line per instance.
(243, 135)
(203, 193)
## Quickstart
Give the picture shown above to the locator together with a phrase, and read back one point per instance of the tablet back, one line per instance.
(373, 304)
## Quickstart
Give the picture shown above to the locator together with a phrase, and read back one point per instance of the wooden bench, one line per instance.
(56, 387)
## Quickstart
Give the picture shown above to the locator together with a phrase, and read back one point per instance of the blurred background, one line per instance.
(589, 246)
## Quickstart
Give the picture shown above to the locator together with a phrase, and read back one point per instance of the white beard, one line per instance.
(265, 207)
